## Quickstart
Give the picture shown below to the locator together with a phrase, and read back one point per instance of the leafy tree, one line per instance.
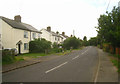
(85, 42)
(109, 27)
(71, 42)
(84, 38)
(93, 41)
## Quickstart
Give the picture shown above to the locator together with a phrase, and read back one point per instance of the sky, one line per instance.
(62, 15)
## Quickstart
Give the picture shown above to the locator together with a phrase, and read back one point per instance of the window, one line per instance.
(34, 35)
(25, 34)
(25, 46)
(55, 38)
(38, 35)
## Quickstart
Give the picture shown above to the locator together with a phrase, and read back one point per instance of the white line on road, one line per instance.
(75, 57)
(85, 52)
(95, 80)
(56, 67)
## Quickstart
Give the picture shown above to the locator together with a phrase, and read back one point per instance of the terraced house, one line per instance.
(16, 34)
(52, 36)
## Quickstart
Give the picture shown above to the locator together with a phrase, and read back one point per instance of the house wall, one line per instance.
(11, 36)
(19, 35)
(36, 35)
(46, 35)
(7, 34)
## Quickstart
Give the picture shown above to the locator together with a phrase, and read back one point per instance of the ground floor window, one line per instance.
(25, 46)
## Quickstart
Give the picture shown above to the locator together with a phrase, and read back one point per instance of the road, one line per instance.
(80, 66)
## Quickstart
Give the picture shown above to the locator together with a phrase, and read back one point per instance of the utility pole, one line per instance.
(73, 33)
(108, 5)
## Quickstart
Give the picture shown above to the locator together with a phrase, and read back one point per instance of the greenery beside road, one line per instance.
(42, 47)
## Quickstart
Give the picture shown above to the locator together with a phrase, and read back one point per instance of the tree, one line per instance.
(84, 38)
(85, 42)
(71, 42)
(109, 27)
(93, 41)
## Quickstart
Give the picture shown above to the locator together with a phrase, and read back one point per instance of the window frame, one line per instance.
(25, 34)
(33, 35)
(26, 46)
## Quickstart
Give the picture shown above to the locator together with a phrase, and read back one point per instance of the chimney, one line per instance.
(17, 18)
(57, 32)
(49, 28)
(63, 33)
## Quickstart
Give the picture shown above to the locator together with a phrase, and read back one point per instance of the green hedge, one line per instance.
(8, 55)
(39, 46)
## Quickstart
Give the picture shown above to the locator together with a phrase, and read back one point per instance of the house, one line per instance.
(16, 34)
(64, 36)
(52, 36)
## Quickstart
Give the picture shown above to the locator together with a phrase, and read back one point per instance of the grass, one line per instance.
(117, 64)
(28, 56)
(116, 61)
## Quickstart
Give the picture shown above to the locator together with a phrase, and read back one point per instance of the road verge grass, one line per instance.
(116, 61)
(29, 56)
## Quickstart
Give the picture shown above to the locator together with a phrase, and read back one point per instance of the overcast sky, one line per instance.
(62, 15)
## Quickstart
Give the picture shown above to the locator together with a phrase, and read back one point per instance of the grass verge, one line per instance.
(115, 60)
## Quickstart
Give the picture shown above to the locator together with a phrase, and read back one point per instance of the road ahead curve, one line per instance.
(80, 66)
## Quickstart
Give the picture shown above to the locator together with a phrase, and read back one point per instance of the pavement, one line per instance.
(87, 65)
(106, 71)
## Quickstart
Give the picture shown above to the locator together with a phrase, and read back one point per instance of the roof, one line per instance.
(64, 36)
(53, 33)
(19, 25)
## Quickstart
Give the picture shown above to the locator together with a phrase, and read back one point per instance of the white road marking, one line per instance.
(84, 51)
(56, 67)
(98, 68)
(75, 57)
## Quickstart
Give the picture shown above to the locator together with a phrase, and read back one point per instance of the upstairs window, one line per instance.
(38, 35)
(25, 34)
(34, 35)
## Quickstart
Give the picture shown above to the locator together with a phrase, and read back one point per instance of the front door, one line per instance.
(19, 49)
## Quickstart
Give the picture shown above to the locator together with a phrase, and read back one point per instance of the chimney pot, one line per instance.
(57, 32)
(17, 18)
(63, 33)
(48, 28)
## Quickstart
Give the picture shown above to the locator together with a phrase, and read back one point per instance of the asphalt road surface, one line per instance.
(75, 67)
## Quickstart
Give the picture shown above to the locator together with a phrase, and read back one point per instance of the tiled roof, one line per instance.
(19, 25)
(53, 33)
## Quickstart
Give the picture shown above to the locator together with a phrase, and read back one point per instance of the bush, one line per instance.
(56, 48)
(71, 42)
(117, 64)
(39, 46)
(8, 55)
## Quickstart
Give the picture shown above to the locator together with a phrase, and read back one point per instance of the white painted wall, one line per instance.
(48, 36)
(11, 36)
